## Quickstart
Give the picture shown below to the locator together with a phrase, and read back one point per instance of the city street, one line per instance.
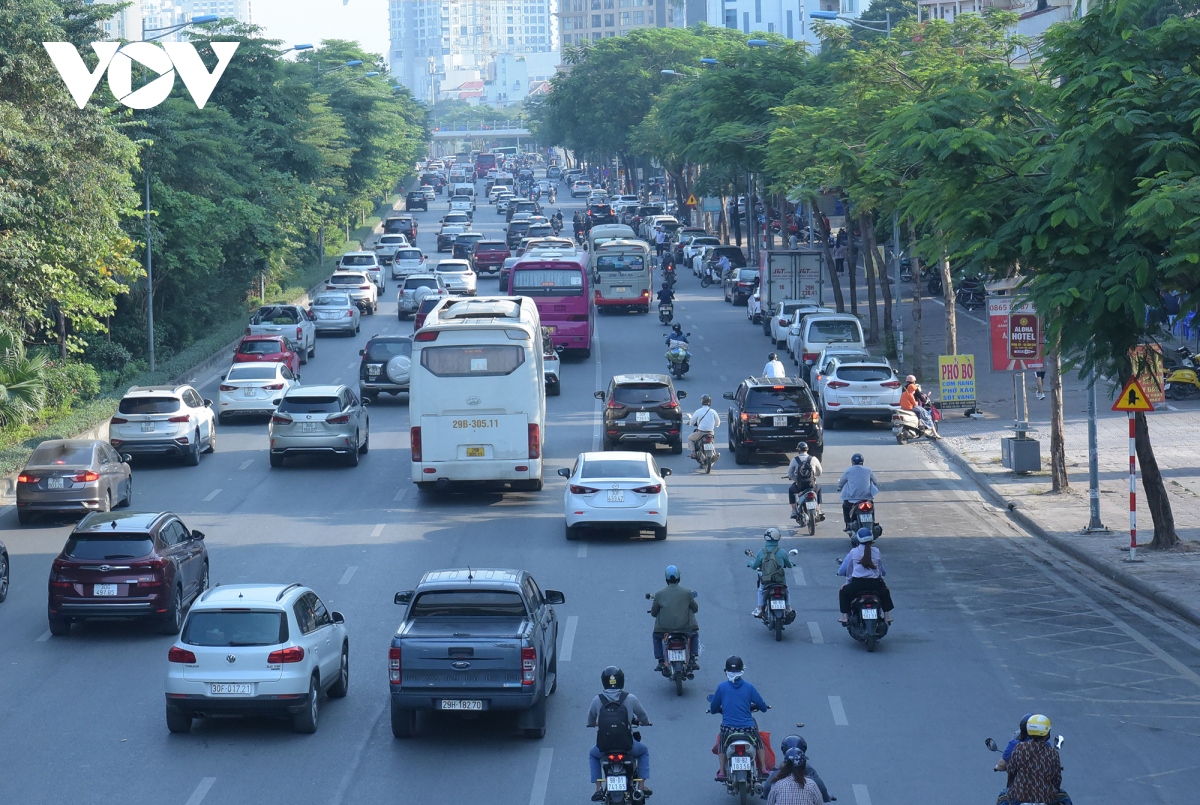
(990, 622)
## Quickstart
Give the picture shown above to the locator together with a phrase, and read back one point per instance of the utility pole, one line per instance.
(149, 282)
(1094, 524)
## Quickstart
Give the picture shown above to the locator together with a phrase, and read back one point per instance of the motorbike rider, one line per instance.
(792, 784)
(774, 367)
(666, 296)
(613, 712)
(674, 609)
(732, 700)
(909, 401)
(705, 420)
(804, 472)
(770, 564)
(857, 483)
(864, 572)
(797, 742)
(1035, 768)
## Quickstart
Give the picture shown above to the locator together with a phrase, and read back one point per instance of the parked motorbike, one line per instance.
(742, 779)
(934, 286)
(708, 276)
(619, 770)
(677, 660)
(1003, 765)
(907, 427)
(776, 613)
(970, 294)
(678, 358)
(863, 516)
(706, 454)
(1183, 381)
(666, 312)
(866, 623)
(906, 272)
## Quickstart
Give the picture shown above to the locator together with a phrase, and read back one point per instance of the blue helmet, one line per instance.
(796, 757)
(865, 535)
(857, 458)
(672, 574)
(793, 742)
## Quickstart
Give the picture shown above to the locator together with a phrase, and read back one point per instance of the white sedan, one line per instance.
(254, 389)
(616, 489)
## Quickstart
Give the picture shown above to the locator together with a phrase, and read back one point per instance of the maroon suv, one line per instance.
(127, 565)
(489, 256)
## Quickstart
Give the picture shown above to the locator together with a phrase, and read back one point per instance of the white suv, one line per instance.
(164, 420)
(257, 649)
(366, 262)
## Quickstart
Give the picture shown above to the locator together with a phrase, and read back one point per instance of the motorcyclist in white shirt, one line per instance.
(774, 367)
(705, 420)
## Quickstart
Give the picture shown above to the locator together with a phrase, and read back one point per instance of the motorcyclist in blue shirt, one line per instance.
(732, 700)
(856, 484)
(666, 296)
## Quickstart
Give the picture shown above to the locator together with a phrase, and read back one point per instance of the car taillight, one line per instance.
(749, 417)
(224, 387)
(338, 419)
(576, 489)
(118, 420)
(184, 418)
(349, 314)
(177, 654)
(428, 335)
(653, 489)
(289, 654)
(394, 665)
(280, 419)
(614, 404)
(670, 406)
(535, 441)
(273, 386)
(837, 384)
(415, 442)
(809, 357)
(865, 506)
(891, 384)
(811, 416)
(299, 334)
(783, 322)
(528, 665)
(28, 479)
(86, 476)
(364, 287)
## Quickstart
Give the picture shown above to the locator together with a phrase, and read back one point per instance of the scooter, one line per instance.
(866, 623)
(1003, 765)
(742, 778)
(707, 455)
(1183, 382)
(666, 312)
(934, 286)
(708, 276)
(775, 612)
(669, 276)
(808, 511)
(863, 516)
(907, 427)
(906, 272)
(619, 770)
(677, 661)
(970, 294)
(678, 357)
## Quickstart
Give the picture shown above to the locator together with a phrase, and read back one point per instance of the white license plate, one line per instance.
(616, 496)
(866, 518)
(308, 427)
(54, 483)
(616, 783)
(104, 589)
(778, 603)
(373, 371)
(462, 704)
(249, 392)
(621, 289)
(709, 447)
(147, 427)
(781, 422)
(870, 614)
(741, 763)
(676, 656)
(641, 416)
(245, 689)
(811, 505)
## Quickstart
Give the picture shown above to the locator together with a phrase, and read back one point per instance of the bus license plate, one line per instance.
(781, 422)
(474, 452)
(642, 416)
(462, 704)
(620, 288)
(616, 496)
(778, 603)
(615, 783)
(737, 763)
(870, 614)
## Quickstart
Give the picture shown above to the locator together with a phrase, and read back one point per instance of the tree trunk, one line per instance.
(948, 298)
(61, 322)
(869, 268)
(835, 281)
(735, 218)
(918, 359)
(885, 288)
(723, 223)
(1156, 491)
(1058, 449)
(851, 261)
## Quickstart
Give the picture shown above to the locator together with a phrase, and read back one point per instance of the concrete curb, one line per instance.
(1107, 569)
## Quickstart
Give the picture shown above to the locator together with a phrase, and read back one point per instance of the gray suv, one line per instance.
(329, 420)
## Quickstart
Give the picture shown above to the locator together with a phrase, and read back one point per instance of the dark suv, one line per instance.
(401, 225)
(642, 409)
(415, 200)
(127, 565)
(772, 415)
(385, 366)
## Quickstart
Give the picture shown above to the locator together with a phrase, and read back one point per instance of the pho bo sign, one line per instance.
(118, 61)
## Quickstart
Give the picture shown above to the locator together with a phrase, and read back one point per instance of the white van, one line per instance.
(601, 233)
(477, 398)
(825, 330)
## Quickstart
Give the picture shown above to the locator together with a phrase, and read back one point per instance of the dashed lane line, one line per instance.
(798, 572)
(246, 464)
(814, 632)
(582, 552)
(541, 777)
(839, 712)
(568, 642)
(201, 791)
(349, 574)
(375, 532)
(401, 493)
(861, 795)
(45, 636)
(212, 495)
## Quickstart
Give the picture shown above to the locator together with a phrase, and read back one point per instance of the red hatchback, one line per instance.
(266, 348)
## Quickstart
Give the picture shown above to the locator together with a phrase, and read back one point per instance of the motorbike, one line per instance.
(970, 294)
(742, 778)
(775, 612)
(906, 272)
(866, 623)
(619, 770)
(708, 276)
(1183, 381)
(1003, 766)
(678, 357)
(707, 455)
(807, 511)
(677, 656)
(666, 312)
(934, 286)
(863, 516)
(669, 276)
(907, 426)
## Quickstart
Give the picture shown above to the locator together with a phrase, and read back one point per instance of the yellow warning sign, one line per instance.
(1132, 398)
(691, 202)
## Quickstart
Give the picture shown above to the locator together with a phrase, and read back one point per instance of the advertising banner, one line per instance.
(1015, 335)
(1148, 360)
(957, 376)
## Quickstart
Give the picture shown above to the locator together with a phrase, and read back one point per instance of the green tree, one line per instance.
(22, 379)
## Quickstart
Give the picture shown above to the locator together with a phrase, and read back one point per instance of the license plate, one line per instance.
(870, 614)
(550, 328)
(104, 589)
(710, 447)
(249, 392)
(54, 483)
(676, 656)
(474, 452)
(811, 505)
(642, 416)
(621, 289)
(778, 603)
(147, 427)
(462, 704)
(741, 763)
(373, 371)
(616, 496)
(866, 518)
(616, 783)
(781, 422)
(230, 690)
(308, 427)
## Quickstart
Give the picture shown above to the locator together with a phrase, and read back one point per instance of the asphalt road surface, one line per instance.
(990, 624)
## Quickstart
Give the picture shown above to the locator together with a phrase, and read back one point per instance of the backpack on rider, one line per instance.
(771, 568)
(614, 733)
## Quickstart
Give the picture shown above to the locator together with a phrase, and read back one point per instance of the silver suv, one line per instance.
(330, 420)
(257, 649)
(164, 420)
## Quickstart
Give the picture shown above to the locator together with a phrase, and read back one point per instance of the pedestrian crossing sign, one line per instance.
(1132, 398)
(691, 202)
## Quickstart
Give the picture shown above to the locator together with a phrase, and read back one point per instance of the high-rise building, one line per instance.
(787, 17)
(239, 10)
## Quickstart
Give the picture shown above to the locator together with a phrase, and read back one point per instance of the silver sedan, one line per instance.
(336, 313)
(73, 476)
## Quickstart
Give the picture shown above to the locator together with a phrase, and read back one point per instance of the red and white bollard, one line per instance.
(1132, 487)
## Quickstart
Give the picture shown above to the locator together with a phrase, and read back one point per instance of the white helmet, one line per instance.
(771, 535)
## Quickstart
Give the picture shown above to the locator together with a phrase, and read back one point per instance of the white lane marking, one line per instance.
(349, 574)
(961, 313)
(798, 572)
(706, 349)
(687, 316)
(351, 364)
(201, 791)
(582, 552)
(772, 496)
(839, 712)
(401, 493)
(337, 380)
(45, 636)
(375, 532)
(814, 631)
(721, 378)
(212, 495)
(569, 638)
(701, 337)
(245, 464)
(861, 796)
(541, 778)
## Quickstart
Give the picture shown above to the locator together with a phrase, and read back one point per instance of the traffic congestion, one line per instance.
(543, 485)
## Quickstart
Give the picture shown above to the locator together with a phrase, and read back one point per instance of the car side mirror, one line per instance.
(681, 395)
(362, 352)
(695, 594)
(564, 472)
(665, 471)
(728, 395)
(555, 597)
(403, 597)
(126, 458)
(793, 552)
(365, 401)
(337, 617)
(208, 403)
(599, 395)
(197, 535)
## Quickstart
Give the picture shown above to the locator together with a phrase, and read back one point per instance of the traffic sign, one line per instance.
(691, 202)
(1132, 398)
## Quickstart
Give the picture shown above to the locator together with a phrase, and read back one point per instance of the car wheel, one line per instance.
(212, 440)
(373, 396)
(59, 627)
(192, 457)
(572, 533)
(128, 499)
(303, 358)
(312, 351)
(677, 447)
(106, 504)
(204, 580)
(831, 421)
(341, 687)
(366, 442)
(3, 576)
(276, 459)
(173, 619)
(660, 533)
(306, 720)
(533, 721)
(25, 517)
(352, 456)
(357, 327)
(222, 419)
(401, 316)
(178, 722)
(741, 455)
(404, 722)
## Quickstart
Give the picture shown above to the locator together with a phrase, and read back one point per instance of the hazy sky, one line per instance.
(310, 21)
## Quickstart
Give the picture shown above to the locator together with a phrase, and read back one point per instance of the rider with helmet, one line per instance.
(666, 296)
(732, 700)
(1035, 768)
(614, 729)
(676, 334)
(864, 572)
(796, 742)
(793, 783)
(776, 563)
(674, 609)
(857, 483)
(705, 420)
(804, 472)
(917, 401)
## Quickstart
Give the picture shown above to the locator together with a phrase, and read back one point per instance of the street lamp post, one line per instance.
(830, 16)
(149, 283)
(167, 30)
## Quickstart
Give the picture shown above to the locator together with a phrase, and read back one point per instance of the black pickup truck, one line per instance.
(474, 640)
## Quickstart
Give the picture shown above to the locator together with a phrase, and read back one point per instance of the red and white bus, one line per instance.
(483, 164)
(557, 281)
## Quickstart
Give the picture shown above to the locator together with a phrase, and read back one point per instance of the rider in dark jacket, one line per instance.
(674, 609)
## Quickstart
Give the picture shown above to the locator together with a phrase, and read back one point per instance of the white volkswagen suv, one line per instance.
(257, 649)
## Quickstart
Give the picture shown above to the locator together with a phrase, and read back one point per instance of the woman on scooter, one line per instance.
(864, 571)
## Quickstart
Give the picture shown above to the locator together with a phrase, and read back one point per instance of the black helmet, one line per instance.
(612, 678)
(802, 447)
(676, 327)
(793, 742)
(734, 665)
(796, 757)
(772, 357)
(857, 458)
(666, 286)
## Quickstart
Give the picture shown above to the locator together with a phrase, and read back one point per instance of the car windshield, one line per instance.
(108, 546)
(614, 468)
(468, 603)
(310, 404)
(275, 315)
(235, 628)
(835, 332)
(548, 282)
(386, 350)
(641, 394)
(346, 279)
(788, 399)
(332, 300)
(149, 405)
(251, 373)
(271, 347)
(864, 374)
(62, 453)
(466, 361)
(358, 260)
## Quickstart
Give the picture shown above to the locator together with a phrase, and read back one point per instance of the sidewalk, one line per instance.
(1172, 578)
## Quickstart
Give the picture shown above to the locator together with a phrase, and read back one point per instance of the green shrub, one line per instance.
(107, 355)
(70, 384)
